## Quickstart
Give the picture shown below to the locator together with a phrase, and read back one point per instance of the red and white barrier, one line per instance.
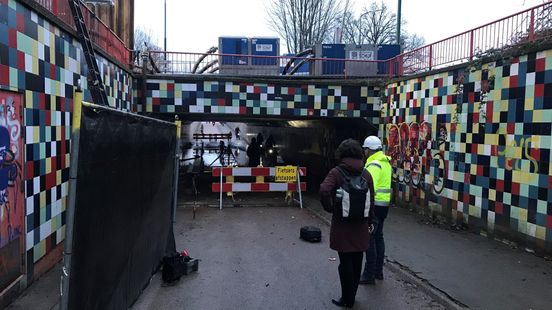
(257, 187)
(229, 186)
(252, 172)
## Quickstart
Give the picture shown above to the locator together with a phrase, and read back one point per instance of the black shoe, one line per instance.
(379, 276)
(341, 303)
(366, 280)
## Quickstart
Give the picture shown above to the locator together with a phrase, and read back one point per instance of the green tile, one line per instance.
(43, 215)
(514, 211)
(542, 207)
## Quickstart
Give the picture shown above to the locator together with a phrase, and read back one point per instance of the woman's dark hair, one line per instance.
(349, 148)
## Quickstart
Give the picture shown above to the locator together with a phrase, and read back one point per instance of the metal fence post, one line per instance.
(220, 198)
(299, 187)
(532, 26)
(72, 199)
(430, 56)
(471, 45)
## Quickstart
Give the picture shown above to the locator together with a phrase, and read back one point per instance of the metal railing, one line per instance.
(239, 64)
(100, 33)
(526, 26)
(523, 27)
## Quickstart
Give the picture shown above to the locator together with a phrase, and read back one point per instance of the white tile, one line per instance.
(530, 78)
(514, 69)
(58, 118)
(53, 148)
(40, 51)
(45, 230)
(29, 134)
(36, 185)
(531, 229)
(189, 87)
(30, 240)
(228, 87)
(29, 204)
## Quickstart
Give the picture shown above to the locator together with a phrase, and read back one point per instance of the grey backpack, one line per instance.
(353, 196)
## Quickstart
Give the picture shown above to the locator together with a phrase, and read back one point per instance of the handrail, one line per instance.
(463, 46)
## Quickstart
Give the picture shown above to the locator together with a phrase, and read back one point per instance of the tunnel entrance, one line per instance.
(225, 142)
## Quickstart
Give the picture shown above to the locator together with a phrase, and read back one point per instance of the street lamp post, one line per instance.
(165, 46)
(399, 22)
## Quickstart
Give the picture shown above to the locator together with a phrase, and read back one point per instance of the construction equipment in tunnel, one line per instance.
(287, 179)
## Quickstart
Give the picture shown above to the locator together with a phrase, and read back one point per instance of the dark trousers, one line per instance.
(350, 267)
(376, 253)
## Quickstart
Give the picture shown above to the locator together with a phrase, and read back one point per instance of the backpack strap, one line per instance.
(343, 173)
(346, 174)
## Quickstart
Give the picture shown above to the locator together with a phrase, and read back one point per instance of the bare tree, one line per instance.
(376, 25)
(303, 23)
(144, 38)
(411, 42)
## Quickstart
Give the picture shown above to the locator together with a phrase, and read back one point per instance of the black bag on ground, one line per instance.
(173, 267)
(311, 234)
(353, 196)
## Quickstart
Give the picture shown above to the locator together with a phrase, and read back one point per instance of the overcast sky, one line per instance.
(195, 25)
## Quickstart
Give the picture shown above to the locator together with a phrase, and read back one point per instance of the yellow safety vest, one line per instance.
(379, 166)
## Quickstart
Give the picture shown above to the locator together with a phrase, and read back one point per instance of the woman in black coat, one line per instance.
(349, 238)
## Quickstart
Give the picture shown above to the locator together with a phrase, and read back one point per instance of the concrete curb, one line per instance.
(405, 274)
(440, 296)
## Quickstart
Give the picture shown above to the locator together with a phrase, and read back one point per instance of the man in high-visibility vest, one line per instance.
(379, 166)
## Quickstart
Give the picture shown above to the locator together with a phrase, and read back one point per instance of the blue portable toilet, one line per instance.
(336, 51)
(236, 46)
(386, 52)
(265, 47)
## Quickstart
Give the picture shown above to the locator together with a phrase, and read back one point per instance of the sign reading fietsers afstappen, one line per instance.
(286, 174)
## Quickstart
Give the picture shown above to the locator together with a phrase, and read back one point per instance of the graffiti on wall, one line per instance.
(515, 151)
(10, 207)
(409, 146)
(11, 196)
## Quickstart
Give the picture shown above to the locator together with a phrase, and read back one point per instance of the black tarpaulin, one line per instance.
(123, 224)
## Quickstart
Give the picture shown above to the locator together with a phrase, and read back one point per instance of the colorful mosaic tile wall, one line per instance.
(45, 64)
(261, 99)
(475, 144)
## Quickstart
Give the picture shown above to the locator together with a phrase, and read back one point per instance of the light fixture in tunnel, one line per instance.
(298, 124)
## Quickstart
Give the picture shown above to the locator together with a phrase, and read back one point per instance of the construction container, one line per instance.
(366, 54)
(386, 52)
(332, 66)
(235, 46)
(265, 47)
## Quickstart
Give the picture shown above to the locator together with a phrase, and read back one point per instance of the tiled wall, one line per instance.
(475, 144)
(44, 63)
(261, 99)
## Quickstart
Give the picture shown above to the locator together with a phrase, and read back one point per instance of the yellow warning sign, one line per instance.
(286, 174)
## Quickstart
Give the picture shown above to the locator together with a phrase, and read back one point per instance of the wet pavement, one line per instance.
(471, 269)
(252, 258)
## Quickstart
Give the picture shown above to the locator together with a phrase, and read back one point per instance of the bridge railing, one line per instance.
(239, 64)
(523, 27)
(100, 33)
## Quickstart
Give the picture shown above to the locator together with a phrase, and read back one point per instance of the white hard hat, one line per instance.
(373, 143)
